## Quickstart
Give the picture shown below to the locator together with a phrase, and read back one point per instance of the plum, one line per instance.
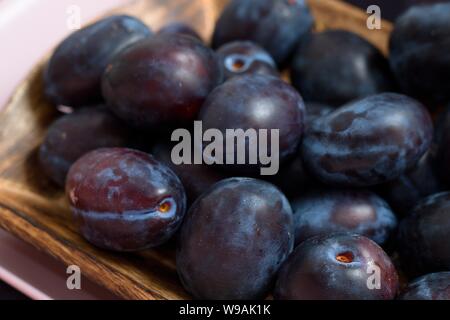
(417, 43)
(161, 81)
(368, 142)
(73, 75)
(337, 267)
(417, 183)
(256, 102)
(233, 240)
(246, 57)
(422, 240)
(332, 211)
(74, 135)
(125, 200)
(336, 67)
(276, 25)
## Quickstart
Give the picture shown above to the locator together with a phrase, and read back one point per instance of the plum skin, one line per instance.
(179, 28)
(246, 58)
(434, 286)
(335, 267)
(276, 25)
(423, 236)
(332, 211)
(72, 77)
(416, 43)
(233, 240)
(71, 136)
(293, 178)
(196, 179)
(161, 81)
(335, 67)
(315, 111)
(417, 183)
(368, 142)
(124, 200)
(239, 103)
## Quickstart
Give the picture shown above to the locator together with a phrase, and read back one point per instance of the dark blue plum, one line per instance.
(336, 67)
(124, 200)
(333, 211)
(234, 239)
(435, 286)
(315, 111)
(161, 81)
(368, 142)
(246, 58)
(74, 135)
(293, 178)
(276, 25)
(179, 28)
(423, 236)
(417, 183)
(417, 42)
(257, 102)
(72, 77)
(336, 267)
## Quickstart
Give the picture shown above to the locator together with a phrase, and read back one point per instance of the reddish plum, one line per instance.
(337, 267)
(161, 81)
(124, 200)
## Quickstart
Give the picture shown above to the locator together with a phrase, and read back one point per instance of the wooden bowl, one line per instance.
(34, 210)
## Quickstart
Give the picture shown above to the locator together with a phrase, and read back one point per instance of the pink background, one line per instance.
(28, 30)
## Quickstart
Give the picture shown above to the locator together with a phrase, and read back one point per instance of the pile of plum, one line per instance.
(359, 209)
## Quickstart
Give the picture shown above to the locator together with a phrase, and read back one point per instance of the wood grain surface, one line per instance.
(36, 211)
